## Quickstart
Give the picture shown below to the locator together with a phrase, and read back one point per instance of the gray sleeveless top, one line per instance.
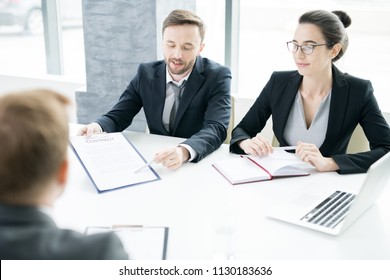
(296, 129)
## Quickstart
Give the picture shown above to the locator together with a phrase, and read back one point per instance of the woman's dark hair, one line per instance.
(332, 26)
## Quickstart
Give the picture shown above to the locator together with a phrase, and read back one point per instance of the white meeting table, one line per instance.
(208, 218)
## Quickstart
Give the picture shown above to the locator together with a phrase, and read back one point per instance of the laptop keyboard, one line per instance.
(330, 212)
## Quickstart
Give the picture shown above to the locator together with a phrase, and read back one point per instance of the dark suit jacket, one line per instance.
(27, 233)
(352, 103)
(203, 114)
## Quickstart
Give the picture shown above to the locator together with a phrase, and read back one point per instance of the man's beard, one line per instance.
(186, 67)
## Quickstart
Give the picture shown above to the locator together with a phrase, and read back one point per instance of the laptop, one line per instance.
(334, 210)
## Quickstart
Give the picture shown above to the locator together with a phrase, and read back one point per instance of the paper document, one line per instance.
(281, 163)
(141, 243)
(110, 161)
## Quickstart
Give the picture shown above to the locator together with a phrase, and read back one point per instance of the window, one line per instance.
(23, 44)
(266, 26)
(213, 15)
(72, 39)
(21, 38)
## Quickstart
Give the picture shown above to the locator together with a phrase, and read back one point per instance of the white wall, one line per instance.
(14, 83)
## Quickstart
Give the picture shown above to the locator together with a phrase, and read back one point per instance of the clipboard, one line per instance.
(140, 242)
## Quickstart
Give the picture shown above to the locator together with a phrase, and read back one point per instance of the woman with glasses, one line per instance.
(316, 107)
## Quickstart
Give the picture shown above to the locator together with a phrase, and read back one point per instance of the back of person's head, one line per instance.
(33, 141)
(181, 17)
(332, 26)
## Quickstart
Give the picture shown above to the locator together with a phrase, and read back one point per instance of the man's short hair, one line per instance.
(33, 139)
(181, 17)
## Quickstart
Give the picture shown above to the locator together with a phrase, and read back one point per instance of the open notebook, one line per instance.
(247, 169)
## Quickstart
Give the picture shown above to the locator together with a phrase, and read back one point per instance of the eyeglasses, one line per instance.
(306, 48)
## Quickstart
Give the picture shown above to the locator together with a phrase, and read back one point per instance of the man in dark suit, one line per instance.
(202, 85)
(33, 173)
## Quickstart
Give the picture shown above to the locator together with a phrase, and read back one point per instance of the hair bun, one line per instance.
(344, 18)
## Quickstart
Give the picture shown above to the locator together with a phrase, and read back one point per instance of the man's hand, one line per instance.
(88, 130)
(172, 158)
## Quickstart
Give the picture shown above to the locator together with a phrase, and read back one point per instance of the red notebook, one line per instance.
(247, 169)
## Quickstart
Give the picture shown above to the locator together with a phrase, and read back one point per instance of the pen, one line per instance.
(287, 148)
(290, 149)
(143, 166)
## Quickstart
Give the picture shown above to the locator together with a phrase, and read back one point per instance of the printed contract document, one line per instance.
(110, 161)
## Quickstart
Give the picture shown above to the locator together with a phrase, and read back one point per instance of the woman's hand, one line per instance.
(311, 154)
(257, 146)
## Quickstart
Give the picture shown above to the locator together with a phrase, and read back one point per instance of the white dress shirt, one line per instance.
(169, 99)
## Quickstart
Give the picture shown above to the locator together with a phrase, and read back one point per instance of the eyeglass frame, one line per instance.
(304, 45)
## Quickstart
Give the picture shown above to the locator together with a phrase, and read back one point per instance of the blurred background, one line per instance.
(263, 29)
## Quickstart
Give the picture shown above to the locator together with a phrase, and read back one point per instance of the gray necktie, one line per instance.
(177, 90)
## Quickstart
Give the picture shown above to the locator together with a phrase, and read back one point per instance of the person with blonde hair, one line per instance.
(33, 174)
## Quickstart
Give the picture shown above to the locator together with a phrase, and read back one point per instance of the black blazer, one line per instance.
(203, 114)
(26, 233)
(352, 103)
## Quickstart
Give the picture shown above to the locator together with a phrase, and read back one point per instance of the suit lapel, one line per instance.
(285, 106)
(194, 83)
(337, 109)
(159, 94)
